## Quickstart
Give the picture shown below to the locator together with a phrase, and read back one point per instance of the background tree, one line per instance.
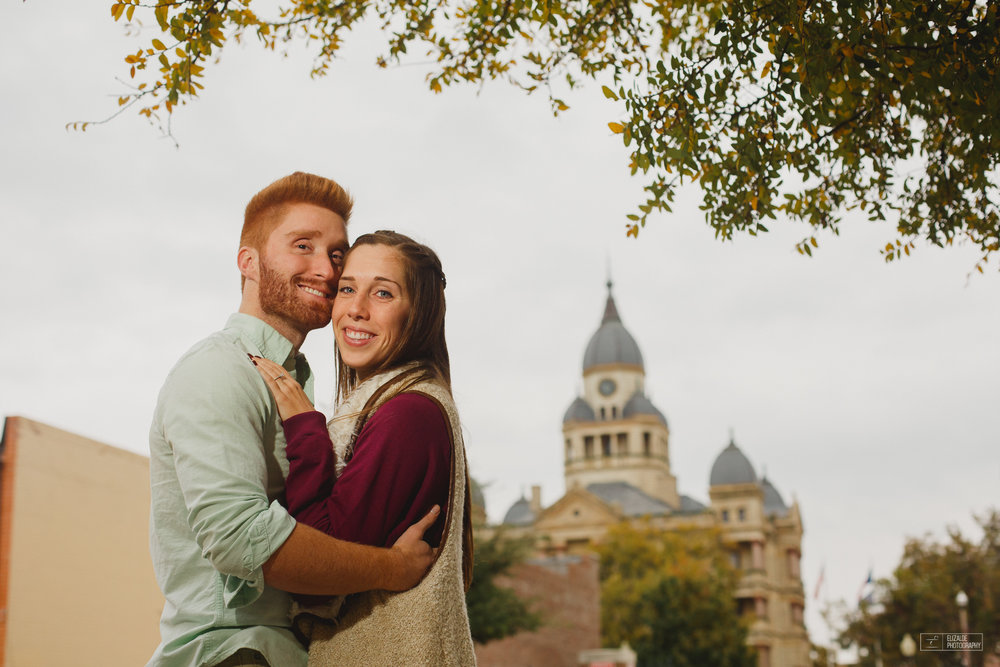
(495, 611)
(670, 596)
(805, 110)
(920, 597)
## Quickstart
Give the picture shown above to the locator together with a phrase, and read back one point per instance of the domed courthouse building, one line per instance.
(617, 468)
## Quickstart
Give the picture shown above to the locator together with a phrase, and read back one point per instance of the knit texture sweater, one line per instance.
(428, 624)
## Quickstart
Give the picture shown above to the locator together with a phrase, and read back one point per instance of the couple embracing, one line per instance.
(278, 538)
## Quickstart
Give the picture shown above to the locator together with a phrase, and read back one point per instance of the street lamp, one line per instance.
(908, 648)
(962, 600)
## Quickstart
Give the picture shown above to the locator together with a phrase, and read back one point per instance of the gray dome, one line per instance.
(520, 514)
(732, 467)
(611, 343)
(579, 411)
(773, 503)
(640, 405)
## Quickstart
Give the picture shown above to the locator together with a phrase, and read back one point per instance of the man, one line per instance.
(226, 553)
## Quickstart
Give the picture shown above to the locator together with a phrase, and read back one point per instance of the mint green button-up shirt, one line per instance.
(217, 472)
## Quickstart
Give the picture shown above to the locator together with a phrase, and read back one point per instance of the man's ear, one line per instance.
(248, 261)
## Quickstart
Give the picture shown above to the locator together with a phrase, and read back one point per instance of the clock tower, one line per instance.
(613, 432)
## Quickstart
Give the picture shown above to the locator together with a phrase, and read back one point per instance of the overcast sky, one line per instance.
(868, 392)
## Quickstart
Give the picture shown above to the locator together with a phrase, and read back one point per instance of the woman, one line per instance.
(394, 449)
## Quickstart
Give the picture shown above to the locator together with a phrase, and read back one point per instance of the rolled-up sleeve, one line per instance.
(217, 422)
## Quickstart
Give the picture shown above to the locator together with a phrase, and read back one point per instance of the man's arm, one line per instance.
(313, 563)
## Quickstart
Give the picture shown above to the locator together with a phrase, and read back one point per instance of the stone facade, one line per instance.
(617, 468)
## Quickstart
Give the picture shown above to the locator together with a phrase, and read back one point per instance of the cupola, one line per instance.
(732, 467)
(611, 343)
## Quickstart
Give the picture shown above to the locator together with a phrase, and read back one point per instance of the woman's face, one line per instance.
(371, 307)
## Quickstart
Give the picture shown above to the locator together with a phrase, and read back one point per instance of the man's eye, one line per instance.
(302, 246)
(337, 258)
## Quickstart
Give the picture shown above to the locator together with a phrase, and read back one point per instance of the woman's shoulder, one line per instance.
(410, 404)
(418, 416)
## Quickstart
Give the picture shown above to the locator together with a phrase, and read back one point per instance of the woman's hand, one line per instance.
(287, 392)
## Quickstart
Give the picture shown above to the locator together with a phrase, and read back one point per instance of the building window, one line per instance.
(602, 413)
(797, 614)
(725, 516)
(745, 606)
(614, 412)
(793, 564)
(742, 514)
(647, 448)
(622, 444)
(734, 558)
(588, 446)
(606, 445)
(763, 656)
(757, 555)
(569, 451)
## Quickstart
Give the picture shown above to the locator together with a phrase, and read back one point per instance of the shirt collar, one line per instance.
(262, 337)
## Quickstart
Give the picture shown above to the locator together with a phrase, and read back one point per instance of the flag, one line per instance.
(866, 590)
(819, 581)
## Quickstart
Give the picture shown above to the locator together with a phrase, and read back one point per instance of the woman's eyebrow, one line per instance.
(386, 280)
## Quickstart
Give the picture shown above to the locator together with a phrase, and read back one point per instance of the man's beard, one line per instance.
(280, 297)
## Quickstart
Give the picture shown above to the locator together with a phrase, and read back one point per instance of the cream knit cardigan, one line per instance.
(427, 625)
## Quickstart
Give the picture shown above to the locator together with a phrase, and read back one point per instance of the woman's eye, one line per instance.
(346, 290)
(384, 294)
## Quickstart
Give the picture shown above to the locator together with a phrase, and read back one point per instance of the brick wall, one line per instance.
(566, 592)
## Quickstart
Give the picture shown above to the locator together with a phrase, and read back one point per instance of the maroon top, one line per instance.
(401, 468)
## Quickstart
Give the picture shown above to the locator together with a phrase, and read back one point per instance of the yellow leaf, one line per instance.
(117, 9)
(767, 70)
(158, 45)
(131, 10)
(617, 128)
(161, 17)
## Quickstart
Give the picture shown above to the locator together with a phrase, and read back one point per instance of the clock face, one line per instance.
(607, 387)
